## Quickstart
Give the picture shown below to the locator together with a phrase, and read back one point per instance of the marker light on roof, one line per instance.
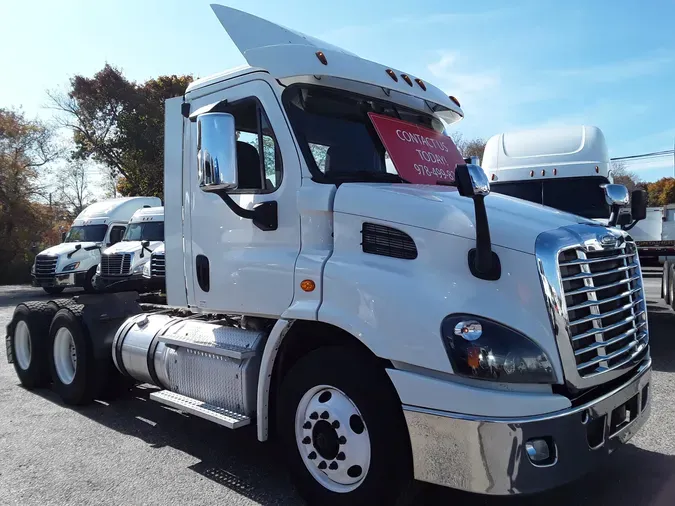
(597, 169)
(455, 100)
(543, 172)
(555, 172)
(406, 78)
(494, 176)
(531, 173)
(392, 74)
(321, 57)
(421, 84)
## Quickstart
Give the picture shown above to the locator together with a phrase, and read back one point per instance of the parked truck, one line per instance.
(122, 265)
(74, 261)
(382, 331)
(567, 168)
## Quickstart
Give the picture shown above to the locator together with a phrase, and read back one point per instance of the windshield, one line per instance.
(149, 231)
(581, 196)
(337, 137)
(87, 233)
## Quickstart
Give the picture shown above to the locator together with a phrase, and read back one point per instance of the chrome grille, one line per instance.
(605, 306)
(157, 265)
(45, 266)
(115, 264)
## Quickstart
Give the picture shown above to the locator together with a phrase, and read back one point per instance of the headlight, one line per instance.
(146, 269)
(98, 269)
(140, 268)
(71, 267)
(484, 349)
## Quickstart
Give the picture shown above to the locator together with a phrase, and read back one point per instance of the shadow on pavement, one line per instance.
(661, 336)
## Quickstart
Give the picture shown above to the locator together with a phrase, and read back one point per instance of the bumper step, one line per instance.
(210, 412)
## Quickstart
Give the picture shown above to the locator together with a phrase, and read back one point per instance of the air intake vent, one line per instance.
(388, 242)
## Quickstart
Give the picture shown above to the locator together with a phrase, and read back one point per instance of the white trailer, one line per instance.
(567, 168)
(74, 262)
(382, 331)
(122, 265)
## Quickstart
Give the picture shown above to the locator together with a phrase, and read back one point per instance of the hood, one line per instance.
(67, 247)
(131, 247)
(514, 223)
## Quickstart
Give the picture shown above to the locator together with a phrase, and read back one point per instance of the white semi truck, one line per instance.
(567, 168)
(74, 262)
(122, 265)
(383, 331)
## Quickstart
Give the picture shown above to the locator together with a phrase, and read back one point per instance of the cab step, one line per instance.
(210, 412)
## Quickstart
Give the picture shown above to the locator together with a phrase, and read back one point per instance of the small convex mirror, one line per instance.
(216, 151)
(616, 194)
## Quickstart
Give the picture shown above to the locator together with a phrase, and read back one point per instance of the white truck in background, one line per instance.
(383, 331)
(655, 235)
(74, 261)
(123, 264)
(567, 168)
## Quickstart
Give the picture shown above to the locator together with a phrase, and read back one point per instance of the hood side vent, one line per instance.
(387, 241)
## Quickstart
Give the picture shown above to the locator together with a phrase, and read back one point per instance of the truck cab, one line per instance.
(565, 168)
(154, 272)
(73, 263)
(122, 264)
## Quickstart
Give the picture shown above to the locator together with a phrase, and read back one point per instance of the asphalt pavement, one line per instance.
(134, 451)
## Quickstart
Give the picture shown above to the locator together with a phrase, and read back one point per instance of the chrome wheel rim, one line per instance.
(65, 356)
(23, 349)
(332, 439)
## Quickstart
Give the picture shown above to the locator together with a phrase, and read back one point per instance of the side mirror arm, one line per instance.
(265, 215)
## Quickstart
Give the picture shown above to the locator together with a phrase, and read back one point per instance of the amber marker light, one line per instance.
(307, 285)
(321, 57)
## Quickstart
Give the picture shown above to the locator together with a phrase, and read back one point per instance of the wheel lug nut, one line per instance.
(341, 456)
(306, 440)
(333, 466)
(323, 465)
(311, 456)
(336, 424)
(314, 416)
(342, 440)
(325, 415)
(307, 426)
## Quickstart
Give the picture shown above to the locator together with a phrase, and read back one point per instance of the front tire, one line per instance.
(89, 281)
(29, 342)
(53, 290)
(343, 430)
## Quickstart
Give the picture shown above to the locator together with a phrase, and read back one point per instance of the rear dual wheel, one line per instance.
(343, 430)
(29, 343)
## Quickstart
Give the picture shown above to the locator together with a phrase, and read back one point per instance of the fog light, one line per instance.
(540, 451)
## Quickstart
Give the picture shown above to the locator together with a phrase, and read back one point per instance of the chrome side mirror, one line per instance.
(216, 152)
(472, 181)
(616, 194)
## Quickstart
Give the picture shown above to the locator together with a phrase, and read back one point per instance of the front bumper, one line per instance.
(135, 282)
(488, 456)
(61, 280)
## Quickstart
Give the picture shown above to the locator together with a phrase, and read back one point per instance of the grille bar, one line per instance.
(592, 317)
(613, 340)
(115, 265)
(602, 330)
(606, 358)
(585, 275)
(594, 289)
(593, 260)
(604, 301)
(158, 266)
(45, 266)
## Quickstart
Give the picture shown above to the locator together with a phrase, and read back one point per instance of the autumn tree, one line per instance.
(26, 147)
(661, 192)
(120, 124)
(625, 177)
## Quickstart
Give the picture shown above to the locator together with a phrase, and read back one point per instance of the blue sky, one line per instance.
(513, 65)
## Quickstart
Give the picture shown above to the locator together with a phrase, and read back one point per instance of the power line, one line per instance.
(655, 154)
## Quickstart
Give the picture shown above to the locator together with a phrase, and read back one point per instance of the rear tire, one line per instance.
(343, 431)
(665, 277)
(53, 290)
(29, 341)
(76, 374)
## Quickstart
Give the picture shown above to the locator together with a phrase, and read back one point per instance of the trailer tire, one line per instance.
(377, 467)
(56, 304)
(53, 290)
(29, 338)
(76, 374)
(665, 278)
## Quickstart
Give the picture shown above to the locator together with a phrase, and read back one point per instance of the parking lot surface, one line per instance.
(134, 451)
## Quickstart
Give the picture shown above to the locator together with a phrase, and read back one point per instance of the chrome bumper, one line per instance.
(64, 280)
(488, 456)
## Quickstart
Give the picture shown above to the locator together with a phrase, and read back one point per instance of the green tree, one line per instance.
(120, 124)
(26, 148)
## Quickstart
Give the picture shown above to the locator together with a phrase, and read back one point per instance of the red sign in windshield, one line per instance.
(420, 155)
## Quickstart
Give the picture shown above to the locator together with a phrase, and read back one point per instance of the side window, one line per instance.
(258, 156)
(116, 234)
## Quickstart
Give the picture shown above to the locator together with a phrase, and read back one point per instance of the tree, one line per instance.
(120, 124)
(26, 148)
(661, 192)
(625, 177)
(73, 189)
(469, 147)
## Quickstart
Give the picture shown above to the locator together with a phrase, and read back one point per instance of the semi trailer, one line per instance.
(383, 326)
(74, 261)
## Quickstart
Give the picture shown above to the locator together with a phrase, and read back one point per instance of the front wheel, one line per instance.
(53, 290)
(89, 281)
(343, 430)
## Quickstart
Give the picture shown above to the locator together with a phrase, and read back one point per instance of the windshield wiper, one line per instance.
(366, 176)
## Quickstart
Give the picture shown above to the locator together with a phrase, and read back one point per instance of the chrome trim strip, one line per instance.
(600, 302)
(616, 339)
(644, 367)
(586, 275)
(597, 289)
(592, 317)
(602, 330)
(572, 263)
